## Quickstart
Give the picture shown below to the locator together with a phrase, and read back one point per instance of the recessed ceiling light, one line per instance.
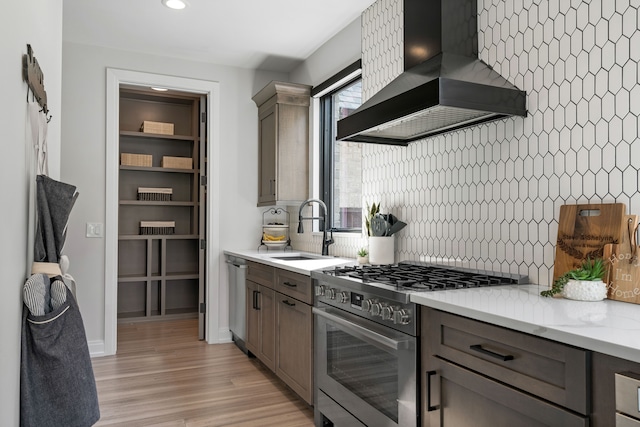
(160, 89)
(175, 4)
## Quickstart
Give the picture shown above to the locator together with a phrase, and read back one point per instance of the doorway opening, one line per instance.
(161, 201)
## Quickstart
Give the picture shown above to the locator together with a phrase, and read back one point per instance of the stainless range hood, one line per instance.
(444, 86)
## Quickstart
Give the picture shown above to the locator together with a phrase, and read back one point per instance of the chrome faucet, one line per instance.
(325, 242)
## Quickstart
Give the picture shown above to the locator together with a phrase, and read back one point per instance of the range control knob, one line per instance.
(320, 290)
(367, 305)
(343, 297)
(387, 313)
(330, 293)
(376, 309)
(402, 317)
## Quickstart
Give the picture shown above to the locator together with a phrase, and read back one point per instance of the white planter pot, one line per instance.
(585, 290)
(362, 260)
(381, 249)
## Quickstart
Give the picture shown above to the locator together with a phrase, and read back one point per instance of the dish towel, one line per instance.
(57, 385)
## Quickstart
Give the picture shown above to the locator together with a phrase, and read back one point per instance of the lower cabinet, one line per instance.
(294, 363)
(261, 320)
(604, 392)
(280, 325)
(480, 375)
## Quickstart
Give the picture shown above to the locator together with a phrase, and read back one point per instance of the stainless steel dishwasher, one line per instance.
(237, 298)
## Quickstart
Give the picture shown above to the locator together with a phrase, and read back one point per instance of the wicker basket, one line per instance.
(157, 127)
(177, 162)
(157, 227)
(128, 159)
(155, 194)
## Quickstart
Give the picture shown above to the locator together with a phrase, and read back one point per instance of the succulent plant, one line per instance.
(589, 270)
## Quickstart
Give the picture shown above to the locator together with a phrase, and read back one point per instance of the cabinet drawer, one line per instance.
(628, 394)
(548, 369)
(260, 273)
(295, 285)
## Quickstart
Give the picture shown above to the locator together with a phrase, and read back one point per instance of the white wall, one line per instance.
(39, 23)
(83, 159)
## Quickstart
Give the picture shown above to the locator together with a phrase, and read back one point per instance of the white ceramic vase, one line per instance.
(585, 290)
(381, 250)
(362, 260)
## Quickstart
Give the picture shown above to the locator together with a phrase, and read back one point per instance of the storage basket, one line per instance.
(157, 227)
(157, 127)
(155, 194)
(177, 162)
(128, 159)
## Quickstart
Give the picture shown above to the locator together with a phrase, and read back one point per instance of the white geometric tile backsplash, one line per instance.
(489, 196)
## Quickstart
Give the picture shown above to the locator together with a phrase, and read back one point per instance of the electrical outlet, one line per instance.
(95, 229)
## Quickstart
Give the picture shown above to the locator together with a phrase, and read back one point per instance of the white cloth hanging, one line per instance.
(39, 127)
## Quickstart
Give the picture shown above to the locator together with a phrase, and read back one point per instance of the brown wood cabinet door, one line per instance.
(253, 318)
(267, 310)
(295, 345)
(267, 133)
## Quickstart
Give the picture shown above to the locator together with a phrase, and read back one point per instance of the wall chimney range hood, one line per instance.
(444, 86)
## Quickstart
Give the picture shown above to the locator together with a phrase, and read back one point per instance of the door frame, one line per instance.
(211, 89)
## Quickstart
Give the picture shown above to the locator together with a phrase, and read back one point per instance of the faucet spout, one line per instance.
(323, 218)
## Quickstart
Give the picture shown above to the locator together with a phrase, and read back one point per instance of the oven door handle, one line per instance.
(362, 332)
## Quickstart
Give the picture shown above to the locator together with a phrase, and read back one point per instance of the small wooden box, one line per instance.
(128, 159)
(157, 127)
(177, 162)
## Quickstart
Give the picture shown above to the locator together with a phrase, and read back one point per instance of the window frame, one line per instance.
(324, 92)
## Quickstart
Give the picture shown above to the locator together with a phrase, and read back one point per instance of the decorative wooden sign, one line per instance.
(33, 75)
(623, 275)
(584, 230)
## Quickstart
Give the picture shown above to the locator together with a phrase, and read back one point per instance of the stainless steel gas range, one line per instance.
(367, 339)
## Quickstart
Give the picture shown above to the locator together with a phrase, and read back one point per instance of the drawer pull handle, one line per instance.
(430, 407)
(290, 304)
(495, 355)
(291, 285)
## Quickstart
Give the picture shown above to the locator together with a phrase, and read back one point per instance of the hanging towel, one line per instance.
(54, 202)
(57, 385)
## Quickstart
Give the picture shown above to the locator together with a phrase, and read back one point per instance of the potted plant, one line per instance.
(583, 283)
(363, 256)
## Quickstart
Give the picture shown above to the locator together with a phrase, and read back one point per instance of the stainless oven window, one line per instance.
(364, 369)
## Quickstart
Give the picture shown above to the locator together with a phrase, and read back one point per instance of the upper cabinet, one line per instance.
(283, 141)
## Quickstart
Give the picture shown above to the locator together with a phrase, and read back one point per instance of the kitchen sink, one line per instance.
(293, 258)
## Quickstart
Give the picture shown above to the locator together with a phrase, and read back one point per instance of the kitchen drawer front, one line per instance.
(624, 421)
(628, 394)
(548, 369)
(260, 273)
(295, 285)
(459, 397)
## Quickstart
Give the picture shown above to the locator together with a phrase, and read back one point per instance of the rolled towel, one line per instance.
(58, 294)
(36, 294)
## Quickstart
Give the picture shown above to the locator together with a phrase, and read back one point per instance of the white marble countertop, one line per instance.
(305, 267)
(609, 327)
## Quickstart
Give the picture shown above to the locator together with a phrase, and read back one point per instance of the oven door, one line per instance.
(368, 369)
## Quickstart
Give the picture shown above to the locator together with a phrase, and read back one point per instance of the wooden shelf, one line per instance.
(157, 169)
(158, 136)
(158, 237)
(157, 203)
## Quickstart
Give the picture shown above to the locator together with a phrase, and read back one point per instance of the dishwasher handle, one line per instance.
(235, 264)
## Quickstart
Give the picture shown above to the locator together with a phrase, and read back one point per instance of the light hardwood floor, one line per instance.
(163, 376)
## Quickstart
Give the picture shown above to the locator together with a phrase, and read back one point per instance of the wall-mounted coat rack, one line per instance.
(33, 75)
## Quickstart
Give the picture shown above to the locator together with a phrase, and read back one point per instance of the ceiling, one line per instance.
(271, 35)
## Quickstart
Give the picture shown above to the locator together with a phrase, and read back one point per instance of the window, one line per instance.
(341, 164)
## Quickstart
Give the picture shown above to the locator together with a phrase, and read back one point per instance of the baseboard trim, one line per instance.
(224, 336)
(96, 348)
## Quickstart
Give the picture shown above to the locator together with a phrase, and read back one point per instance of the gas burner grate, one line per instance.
(423, 277)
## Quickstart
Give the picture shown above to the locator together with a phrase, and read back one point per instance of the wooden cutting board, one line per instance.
(583, 230)
(623, 274)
